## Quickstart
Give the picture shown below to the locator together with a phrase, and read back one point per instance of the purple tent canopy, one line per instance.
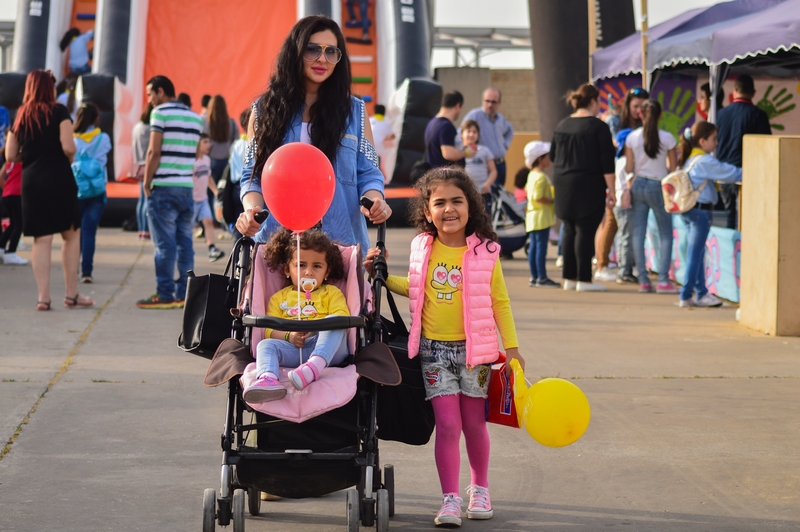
(625, 56)
(774, 30)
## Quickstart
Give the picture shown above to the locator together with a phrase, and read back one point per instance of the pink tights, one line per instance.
(454, 414)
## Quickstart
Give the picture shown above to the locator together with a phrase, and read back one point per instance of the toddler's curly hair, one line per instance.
(282, 247)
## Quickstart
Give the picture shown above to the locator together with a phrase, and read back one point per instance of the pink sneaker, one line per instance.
(298, 376)
(666, 288)
(450, 513)
(263, 389)
(480, 507)
(645, 288)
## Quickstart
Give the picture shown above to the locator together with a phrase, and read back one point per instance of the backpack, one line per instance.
(89, 175)
(680, 196)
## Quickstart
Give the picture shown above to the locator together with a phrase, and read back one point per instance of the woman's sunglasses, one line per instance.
(313, 51)
(639, 92)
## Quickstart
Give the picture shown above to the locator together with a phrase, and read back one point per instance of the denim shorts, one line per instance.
(444, 368)
(202, 211)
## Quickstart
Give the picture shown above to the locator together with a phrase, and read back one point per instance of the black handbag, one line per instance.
(404, 414)
(207, 319)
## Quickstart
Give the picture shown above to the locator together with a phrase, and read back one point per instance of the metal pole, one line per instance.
(645, 35)
(592, 5)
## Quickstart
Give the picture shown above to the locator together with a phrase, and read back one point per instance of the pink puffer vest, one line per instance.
(479, 325)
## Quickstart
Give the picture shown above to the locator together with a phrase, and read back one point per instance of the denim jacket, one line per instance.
(356, 168)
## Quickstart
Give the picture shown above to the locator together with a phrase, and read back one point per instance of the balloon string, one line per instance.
(299, 310)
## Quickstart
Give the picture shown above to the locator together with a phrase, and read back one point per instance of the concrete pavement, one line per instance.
(695, 420)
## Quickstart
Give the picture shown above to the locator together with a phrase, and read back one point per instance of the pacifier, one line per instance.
(308, 284)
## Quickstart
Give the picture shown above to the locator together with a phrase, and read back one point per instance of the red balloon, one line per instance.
(298, 185)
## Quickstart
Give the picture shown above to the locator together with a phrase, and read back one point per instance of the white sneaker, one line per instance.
(559, 262)
(570, 285)
(13, 258)
(590, 287)
(605, 275)
(686, 303)
(708, 300)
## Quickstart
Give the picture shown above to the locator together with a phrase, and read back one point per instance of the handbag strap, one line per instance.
(400, 328)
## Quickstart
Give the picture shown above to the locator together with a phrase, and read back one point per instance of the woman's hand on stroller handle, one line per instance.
(249, 222)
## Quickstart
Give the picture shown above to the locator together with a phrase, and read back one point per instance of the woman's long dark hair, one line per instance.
(67, 38)
(700, 130)
(39, 99)
(286, 95)
(219, 123)
(652, 112)
(87, 116)
(478, 224)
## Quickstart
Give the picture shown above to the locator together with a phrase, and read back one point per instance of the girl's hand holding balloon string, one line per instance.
(512, 353)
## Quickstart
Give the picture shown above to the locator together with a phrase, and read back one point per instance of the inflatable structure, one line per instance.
(221, 47)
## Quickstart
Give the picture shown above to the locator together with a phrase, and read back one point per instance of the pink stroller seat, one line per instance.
(336, 386)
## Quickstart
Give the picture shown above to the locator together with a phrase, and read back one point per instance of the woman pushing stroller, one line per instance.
(307, 295)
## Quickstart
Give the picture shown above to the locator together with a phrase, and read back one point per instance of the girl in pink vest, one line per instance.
(459, 302)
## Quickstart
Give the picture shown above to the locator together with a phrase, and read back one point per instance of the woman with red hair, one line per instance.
(41, 139)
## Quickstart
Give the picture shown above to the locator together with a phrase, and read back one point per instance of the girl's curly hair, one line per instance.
(282, 248)
(478, 224)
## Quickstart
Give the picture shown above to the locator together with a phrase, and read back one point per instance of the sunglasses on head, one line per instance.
(639, 92)
(313, 52)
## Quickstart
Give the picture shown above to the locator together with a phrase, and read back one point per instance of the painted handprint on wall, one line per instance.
(773, 106)
(677, 114)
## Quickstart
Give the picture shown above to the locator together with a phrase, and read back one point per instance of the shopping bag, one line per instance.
(500, 408)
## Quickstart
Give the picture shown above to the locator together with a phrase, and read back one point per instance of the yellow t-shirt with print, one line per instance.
(443, 307)
(327, 300)
(539, 215)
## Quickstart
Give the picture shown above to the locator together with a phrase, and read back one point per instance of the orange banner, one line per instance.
(217, 46)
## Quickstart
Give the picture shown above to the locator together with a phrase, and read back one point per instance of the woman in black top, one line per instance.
(41, 139)
(583, 168)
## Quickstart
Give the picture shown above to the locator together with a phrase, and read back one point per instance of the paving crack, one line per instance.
(70, 358)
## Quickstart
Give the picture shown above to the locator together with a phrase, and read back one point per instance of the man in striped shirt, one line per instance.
(174, 132)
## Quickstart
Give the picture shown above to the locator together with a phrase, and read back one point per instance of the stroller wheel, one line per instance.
(253, 501)
(238, 511)
(382, 517)
(353, 504)
(388, 483)
(209, 510)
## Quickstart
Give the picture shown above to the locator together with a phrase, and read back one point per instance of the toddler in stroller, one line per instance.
(307, 296)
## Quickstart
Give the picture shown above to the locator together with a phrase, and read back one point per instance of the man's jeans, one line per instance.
(169, 213)
(645, 195)
(91, 212)
(141, 210)
(699, 222)
(625, 247)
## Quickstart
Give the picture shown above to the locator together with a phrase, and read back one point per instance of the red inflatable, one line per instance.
(298, 185)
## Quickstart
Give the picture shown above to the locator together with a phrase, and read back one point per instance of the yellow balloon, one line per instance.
(555, 412)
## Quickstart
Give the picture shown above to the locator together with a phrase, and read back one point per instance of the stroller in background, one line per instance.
(508, 221)
(333, 451)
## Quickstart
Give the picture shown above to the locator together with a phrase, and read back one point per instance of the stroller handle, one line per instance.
(326, 324)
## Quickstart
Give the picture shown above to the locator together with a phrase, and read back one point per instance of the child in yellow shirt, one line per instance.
(540, 213)
(306, 296)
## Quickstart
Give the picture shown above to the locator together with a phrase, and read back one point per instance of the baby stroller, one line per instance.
(508, 221)
(306, 453)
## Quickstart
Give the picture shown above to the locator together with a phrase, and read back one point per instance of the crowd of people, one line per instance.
(606, 182)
